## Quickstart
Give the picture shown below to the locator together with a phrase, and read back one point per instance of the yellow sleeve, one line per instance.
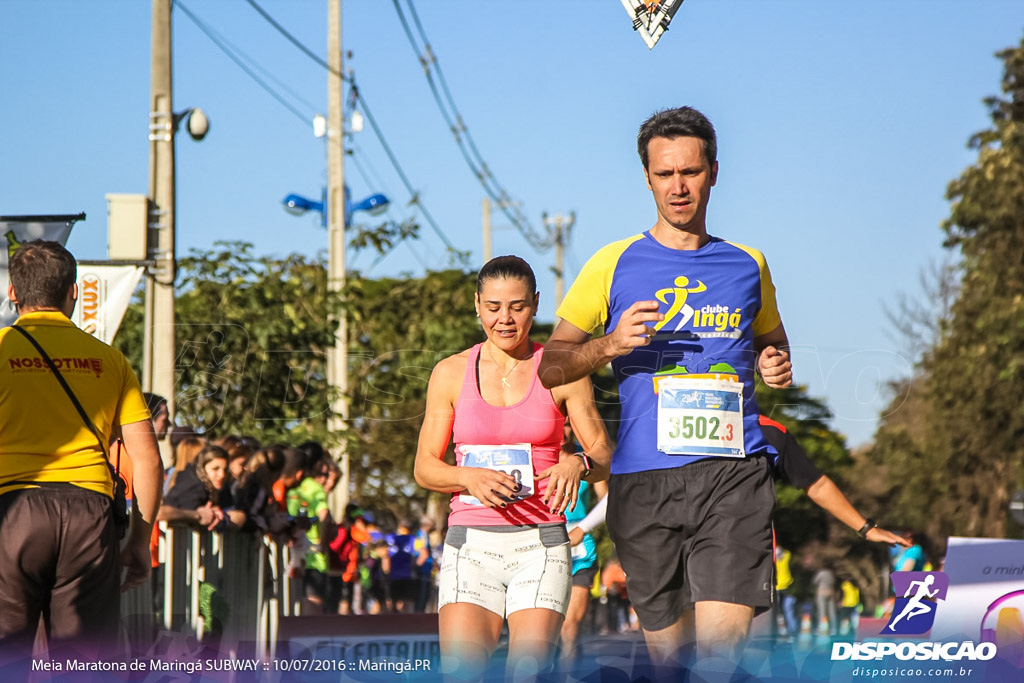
(768, 318)
(132, 406)
(586, 304)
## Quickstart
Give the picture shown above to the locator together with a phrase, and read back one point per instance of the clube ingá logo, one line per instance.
(914, 612)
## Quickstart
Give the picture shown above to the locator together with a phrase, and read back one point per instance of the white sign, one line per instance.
(104, 293)
(14, 231)
(985, 601)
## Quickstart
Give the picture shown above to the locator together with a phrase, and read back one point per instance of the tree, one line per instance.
(400, 328)
(252, 334)
(957, 448)
(976, 373)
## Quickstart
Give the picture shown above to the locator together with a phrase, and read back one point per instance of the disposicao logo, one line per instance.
(917, 596)
(914, 613)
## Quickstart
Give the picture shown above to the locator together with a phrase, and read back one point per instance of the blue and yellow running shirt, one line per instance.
(715, 300)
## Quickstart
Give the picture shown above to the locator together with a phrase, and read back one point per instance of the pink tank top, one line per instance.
(535, 420)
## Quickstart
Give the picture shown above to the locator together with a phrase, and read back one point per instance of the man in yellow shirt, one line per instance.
(785, 602)
(62, 559)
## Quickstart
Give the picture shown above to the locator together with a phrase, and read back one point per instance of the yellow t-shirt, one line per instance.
(783, 575)
(42, 436)
(851, 596)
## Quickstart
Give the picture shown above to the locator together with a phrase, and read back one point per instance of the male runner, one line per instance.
(688, 318)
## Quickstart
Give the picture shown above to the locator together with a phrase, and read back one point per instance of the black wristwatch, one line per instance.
(588, 464)
(869, 524)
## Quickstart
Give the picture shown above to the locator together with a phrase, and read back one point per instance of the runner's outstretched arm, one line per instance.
(827, 496)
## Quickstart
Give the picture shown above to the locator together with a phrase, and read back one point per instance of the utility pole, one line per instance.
(159, 353)
(337, 358)
(487, 228)
(559, 226)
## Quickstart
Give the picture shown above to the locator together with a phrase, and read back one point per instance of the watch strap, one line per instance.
(588, 464)
(869, 524)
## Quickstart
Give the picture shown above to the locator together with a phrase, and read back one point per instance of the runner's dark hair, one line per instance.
(506, 267)
(684, 122)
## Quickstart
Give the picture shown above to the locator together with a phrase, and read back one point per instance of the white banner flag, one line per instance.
(985, 602)
(17, 229)
(104, 293)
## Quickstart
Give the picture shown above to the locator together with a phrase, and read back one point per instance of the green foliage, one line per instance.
(253, 334)
(955, 451)
(400, 329)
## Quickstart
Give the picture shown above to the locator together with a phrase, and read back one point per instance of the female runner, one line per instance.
(506, 553)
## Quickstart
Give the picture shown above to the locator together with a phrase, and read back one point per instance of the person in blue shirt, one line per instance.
(687, 318)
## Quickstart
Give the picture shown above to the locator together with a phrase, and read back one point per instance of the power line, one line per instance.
(369, 116)
(398, 168)
(366, 170)
(294, 41)
(233, 55)
(266, 72)
(463, 138)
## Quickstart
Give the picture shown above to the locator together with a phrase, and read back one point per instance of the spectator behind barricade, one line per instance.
(910, 559)
(343, 559)
(293, 531)
(613, 578)
(339, 550)
(437, 537)
(378, 565)
(423, 548)
(330, 474)
(309, 500)
(292, 474)
(229, 442)
(360, 531)
(238, 457)
(784, 621)
(254, 493)
(402, 570)
(194, 498)
(849, 607)
(161, 416)
(185, 453)
(120, 463)
(180, 433)
(824, 582)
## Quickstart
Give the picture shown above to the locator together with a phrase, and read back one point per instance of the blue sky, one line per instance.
(840, 125)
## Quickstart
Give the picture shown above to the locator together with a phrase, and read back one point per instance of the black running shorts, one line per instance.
(694, 533)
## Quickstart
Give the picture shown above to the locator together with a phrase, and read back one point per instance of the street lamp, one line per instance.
(297, 205)
(337, 357)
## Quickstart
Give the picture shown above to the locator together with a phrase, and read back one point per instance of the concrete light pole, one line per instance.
(337, 358)
(159, 348)
(159, 353)
(559, 227)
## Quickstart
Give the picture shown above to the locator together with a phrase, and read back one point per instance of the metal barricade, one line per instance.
(231, 587)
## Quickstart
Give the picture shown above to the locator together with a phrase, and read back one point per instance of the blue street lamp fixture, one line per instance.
(297, 205)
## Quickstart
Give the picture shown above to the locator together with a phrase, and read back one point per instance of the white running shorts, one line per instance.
(506, 571)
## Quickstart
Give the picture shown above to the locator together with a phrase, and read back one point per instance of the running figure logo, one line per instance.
(680, 291)
(914, 612)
